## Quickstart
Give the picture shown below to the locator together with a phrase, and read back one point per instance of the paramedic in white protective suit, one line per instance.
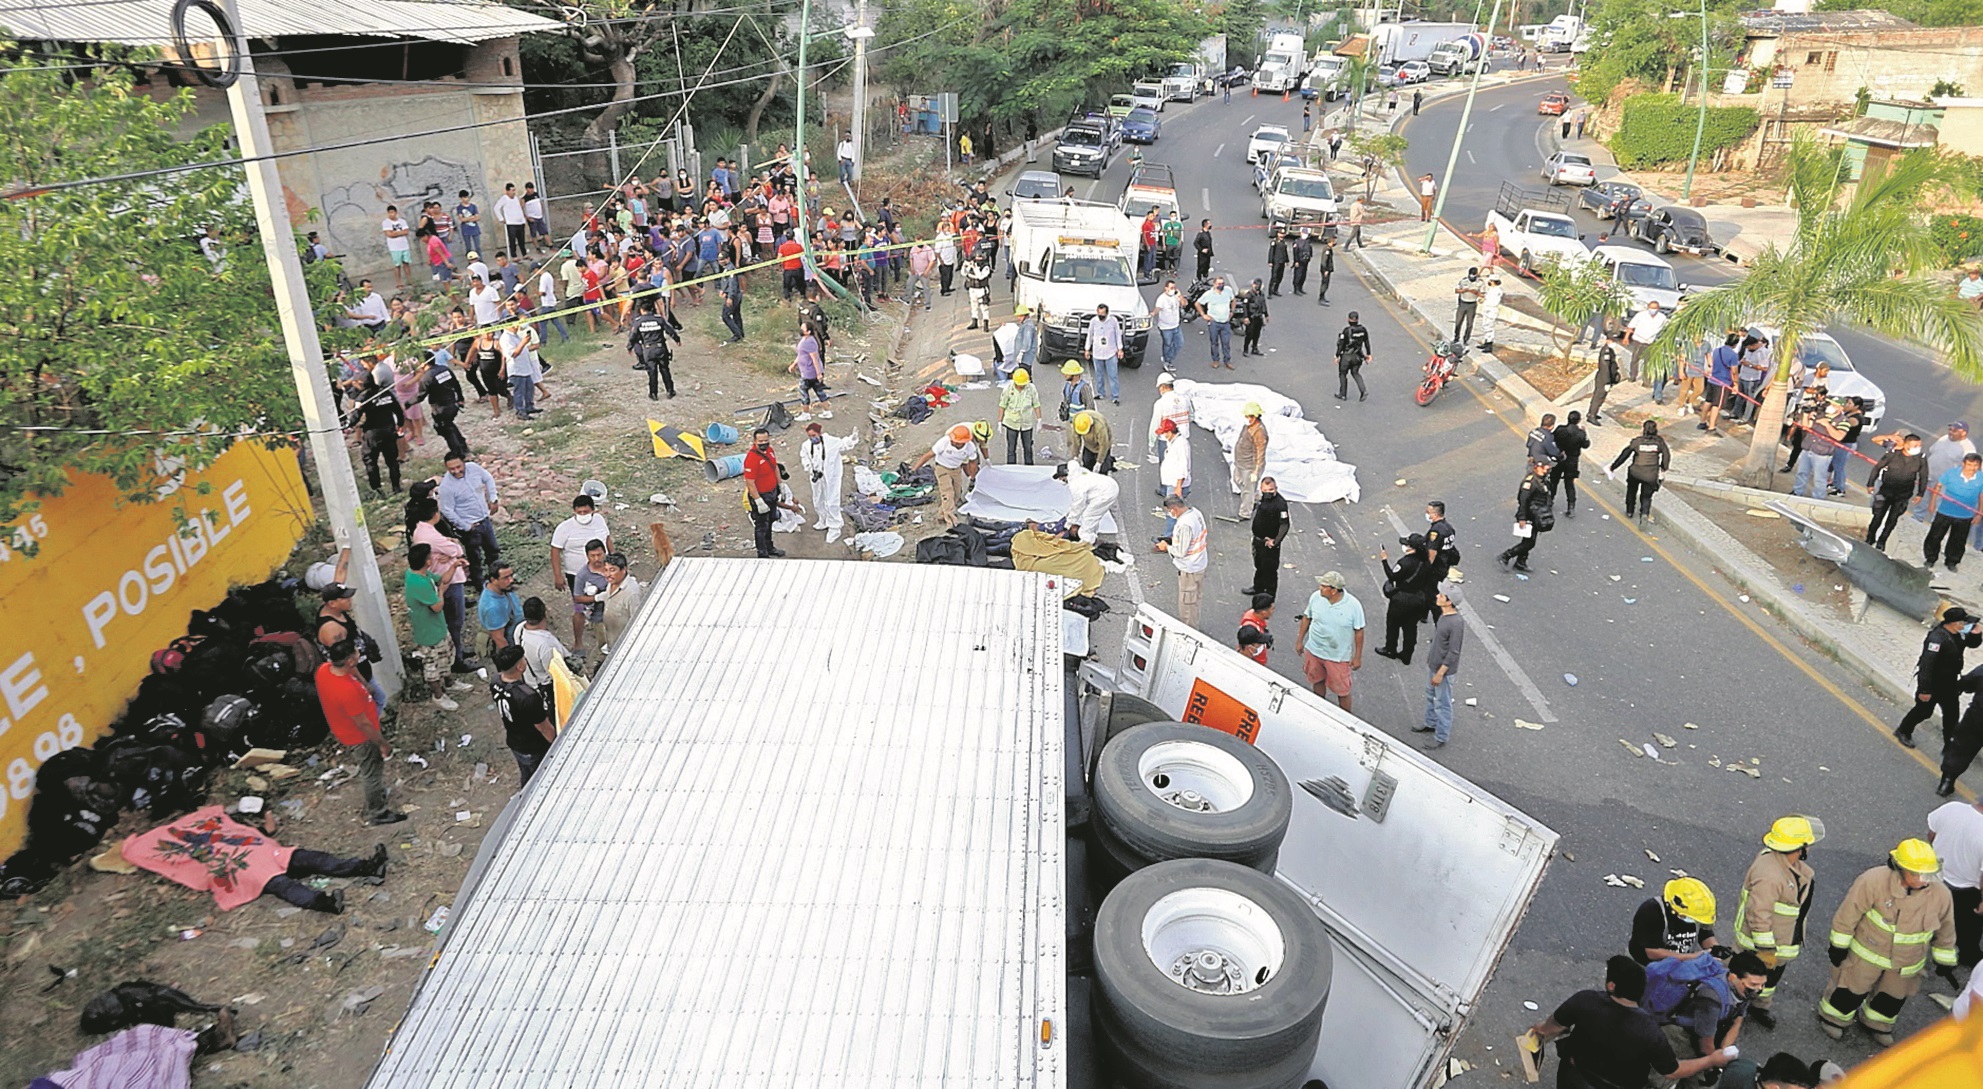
(820, 457)
(1091, 495)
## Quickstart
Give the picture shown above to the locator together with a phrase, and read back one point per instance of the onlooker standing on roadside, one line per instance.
(354, 720)
(1019, 415)
(527, 728)
(450, 574)
(1331, 638)
(1167, 317)
(509, 212)
(1428, 190)
(1751, 371)
(1945, 453)
(1644, 326)
(1897, 479)
(1190, 551)
(569, 539)
(1215, 305)
(1249, 457)
(1442, 659)
(399, 246)
(1955, 497)
(425, 613)
(1104, 352)
(499, 608)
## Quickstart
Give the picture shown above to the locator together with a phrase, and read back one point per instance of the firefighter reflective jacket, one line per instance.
(1776, 898)
(1894, 928)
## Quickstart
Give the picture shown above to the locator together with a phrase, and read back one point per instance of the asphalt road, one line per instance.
(1653, 637)
(1507, 141)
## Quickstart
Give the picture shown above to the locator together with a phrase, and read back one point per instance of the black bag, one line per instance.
(1390, 588)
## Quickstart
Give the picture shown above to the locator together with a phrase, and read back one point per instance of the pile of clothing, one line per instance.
(243, 676)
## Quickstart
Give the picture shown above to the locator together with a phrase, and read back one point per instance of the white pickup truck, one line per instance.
(731, 887)
(1535, 227)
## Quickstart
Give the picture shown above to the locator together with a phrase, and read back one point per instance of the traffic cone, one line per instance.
(1256, 92)
(1284, 95)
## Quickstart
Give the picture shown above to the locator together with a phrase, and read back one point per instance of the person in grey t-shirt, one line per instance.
(1442, 657)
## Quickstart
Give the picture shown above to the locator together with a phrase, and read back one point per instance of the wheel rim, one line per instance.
(1195, 776)
(1213, 941)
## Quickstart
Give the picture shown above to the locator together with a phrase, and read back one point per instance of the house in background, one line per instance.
(335, 74)
(1829, 57)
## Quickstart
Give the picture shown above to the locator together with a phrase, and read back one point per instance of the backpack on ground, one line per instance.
(1672, 983)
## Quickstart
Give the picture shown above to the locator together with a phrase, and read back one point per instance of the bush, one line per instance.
(1958, 236)
(1658, 129)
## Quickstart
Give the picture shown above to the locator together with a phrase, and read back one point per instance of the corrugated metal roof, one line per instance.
(146, 22)
(805, 830)
(1818, 22)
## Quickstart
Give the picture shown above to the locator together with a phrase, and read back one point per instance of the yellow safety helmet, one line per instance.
(1790, 833)
(1070, 368)
(1020, 378)
(1022, 310)
(1691, 899)
(1251, 408)
(1915, 856)
(1083, 422)
(981, 431)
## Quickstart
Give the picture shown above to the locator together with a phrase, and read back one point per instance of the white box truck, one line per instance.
(1562, 34)
(880, 869)
(1400, 42)
(1073, 255)
(1283, 64)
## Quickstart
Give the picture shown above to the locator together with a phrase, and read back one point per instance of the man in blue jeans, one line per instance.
(1104, 352)
(1167, 317)
(1954, 499)
(1215, 306)
(1814, 463)
(1442, 658)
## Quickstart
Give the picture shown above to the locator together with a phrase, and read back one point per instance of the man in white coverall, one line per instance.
(1091, 495)
(820, 457)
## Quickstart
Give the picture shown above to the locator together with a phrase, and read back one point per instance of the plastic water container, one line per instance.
(720, 433)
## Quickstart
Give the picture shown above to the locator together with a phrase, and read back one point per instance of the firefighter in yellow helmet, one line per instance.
(1895, 919)
(1776, 902)
(1091, 429)
(1678, 923)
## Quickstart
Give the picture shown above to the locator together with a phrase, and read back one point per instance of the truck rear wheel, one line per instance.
(1209, 969)
(1169, 790)
(1132, 1065)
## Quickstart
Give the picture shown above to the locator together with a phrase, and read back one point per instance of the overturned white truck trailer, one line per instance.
(830, 824)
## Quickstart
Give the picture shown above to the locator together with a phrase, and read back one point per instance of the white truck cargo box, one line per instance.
(1420, 876)
(806, 829)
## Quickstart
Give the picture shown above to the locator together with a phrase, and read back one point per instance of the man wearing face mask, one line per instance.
(1270, 527)
(762, 479)
(1439, 538)
(1900, 477)
(568, 540)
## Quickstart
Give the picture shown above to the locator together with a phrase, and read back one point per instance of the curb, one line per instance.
(1727, 556)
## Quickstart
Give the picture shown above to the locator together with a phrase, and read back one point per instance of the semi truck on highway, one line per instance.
(1329, 75)
(954, 850)
(1397, 43)
(1072, 256)
(1283, 64)
(1562, 34)
(1458, 56)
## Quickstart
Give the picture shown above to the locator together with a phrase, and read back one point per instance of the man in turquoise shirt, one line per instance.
(1955, 499)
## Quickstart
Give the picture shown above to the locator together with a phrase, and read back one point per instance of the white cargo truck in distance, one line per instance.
(1397, 43)
(1283, 64)
(707, 884)
(1534, 227)
(1330, 76)
(1562, 34)
(1072, 256)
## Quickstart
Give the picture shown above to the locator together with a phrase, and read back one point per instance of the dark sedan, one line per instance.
(1142, 126)
(1676, 228)
(1605, 198)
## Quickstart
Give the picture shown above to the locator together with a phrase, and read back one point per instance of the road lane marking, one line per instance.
(1484, 635)
(1408, 323)
(1216, 150)
(1205, 197)
(1249, 119)
(1496, 106)
(1470, 157)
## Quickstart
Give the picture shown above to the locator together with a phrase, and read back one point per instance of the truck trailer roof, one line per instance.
(720, 878)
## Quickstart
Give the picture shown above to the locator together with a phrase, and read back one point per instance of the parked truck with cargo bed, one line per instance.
(952, 849)
(1535, 226)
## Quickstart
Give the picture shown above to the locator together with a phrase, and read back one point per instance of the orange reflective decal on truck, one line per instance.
(1210, 707)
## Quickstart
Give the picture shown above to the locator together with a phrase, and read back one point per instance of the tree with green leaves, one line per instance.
(1651, 43)
(1920, 12)
(1866, 259)
(1576, 292)
(1379, 151)
(113, 324)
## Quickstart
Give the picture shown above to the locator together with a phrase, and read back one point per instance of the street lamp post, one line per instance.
(1701, 120)
(1453, 157)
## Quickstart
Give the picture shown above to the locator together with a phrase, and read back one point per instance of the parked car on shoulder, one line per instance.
(1676, 228)
(1606, 197)
(1626, 216)
(1120, 105)
(1846, 380)
(1553, 104)
(1238, 76)
(1569, 168)
(1410, 72)
(1035, 185)
(1267, 140)
(1142, 126)
(1645, 277)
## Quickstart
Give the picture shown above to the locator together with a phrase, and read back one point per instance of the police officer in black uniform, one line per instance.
(1650, 457)
(1534, 509)
(1324, 270)
(1352, 352)
(1606, 376)
(1202, 246)
(1938, 675)
(1571, 442)
(1303, 251)
(1439, 538)
(1251, 310)
(442, 391)
(647, 339)
(1277, 260)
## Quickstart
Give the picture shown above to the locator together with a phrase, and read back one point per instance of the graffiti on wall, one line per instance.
(352, 212)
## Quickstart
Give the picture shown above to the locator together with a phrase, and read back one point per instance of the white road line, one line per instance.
(1249, 119)
(1205, 198)
(1216, 150)
(1470, 157)
(1485, 636)
(1496, 106)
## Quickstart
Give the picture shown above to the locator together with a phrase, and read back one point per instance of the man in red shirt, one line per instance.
(762, 475)
(354, 720)
(1254, 638)
(795, 274)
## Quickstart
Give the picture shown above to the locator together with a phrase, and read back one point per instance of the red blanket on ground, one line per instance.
(207, 851)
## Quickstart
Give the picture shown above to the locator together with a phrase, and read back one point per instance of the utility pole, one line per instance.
(860, 34)
(800, 170)
(306, 362)
(1701, 119)
(1453, 158)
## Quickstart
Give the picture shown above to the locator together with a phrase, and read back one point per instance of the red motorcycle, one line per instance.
(1440, 369)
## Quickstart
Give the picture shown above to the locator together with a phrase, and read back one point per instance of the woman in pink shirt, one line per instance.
(454, 596)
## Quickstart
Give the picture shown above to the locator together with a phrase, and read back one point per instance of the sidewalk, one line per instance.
(1876, 643)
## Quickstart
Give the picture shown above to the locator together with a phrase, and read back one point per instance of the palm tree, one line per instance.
(1864, 261)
